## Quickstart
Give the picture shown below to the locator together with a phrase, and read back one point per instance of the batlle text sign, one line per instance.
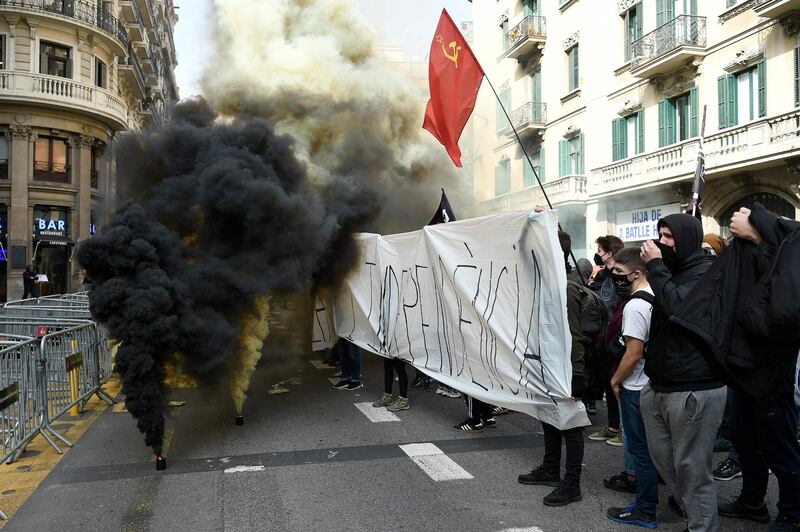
(478, 304)
(641, 224)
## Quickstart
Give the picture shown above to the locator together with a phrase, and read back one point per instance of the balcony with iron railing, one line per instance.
(148, 15)
(132, 71)
(63, 93)
(669, 46)
(775, 8)
(761, 142)
(529, 118)
(50, 171)
(85, 14)
(527, 36)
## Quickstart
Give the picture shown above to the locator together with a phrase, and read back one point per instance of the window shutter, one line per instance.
(575, 68)
(722, 101)
(43, 63)
(579, 162)
(669, 10)
(762, 88)
(639, 28)
(640, 131)
(694, 107)
(527, 8)
(615, 139)
(733, 107)
(661, 15)
(68, 69)
(537, 90)
(730, 3)
(541, 164)
(662, 123)
(563, 155)
(671, 116)
(693, 7)
(797, 76)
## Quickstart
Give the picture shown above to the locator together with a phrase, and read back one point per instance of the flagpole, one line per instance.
(535, 173)
(698, 170)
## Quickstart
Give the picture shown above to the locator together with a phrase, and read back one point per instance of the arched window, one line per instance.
(772, 202)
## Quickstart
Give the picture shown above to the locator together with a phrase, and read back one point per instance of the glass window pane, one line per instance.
(3, 148)
(59, 152)
(41, 150)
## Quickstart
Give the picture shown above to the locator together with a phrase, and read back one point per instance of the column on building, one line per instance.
(19, 221)
(82, 213)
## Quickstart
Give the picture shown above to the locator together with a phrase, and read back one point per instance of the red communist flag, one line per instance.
(454, 76)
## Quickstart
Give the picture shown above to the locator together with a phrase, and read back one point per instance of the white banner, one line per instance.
(479, 305)
(642, 224)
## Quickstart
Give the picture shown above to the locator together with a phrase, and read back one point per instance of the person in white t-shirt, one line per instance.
(629, 379)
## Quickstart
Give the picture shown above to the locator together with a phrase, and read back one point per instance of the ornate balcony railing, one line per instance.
(530, 114)
(683, 30)
(531, 26)
(79, 10)
(52, 90)
(133, 61)
(747, 144)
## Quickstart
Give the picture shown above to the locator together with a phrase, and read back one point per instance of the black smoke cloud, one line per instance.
(219, 211)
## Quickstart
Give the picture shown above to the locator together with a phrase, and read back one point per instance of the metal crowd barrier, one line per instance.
(52, 360)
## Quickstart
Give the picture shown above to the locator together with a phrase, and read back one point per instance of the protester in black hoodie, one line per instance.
(745, 315)
(683, 404)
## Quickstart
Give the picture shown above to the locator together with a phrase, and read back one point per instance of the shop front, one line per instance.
(52, 249)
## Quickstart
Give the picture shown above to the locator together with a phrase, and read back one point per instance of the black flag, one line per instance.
(444, 213)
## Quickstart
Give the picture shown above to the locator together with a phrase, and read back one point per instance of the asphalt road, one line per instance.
(310, 460)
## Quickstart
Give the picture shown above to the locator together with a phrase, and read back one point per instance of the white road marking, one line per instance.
(320, 365)
(245, 469)
(376, 415)
(434, 462)
(526, 529)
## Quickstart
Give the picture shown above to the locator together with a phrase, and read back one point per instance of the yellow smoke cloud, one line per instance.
(255, 328)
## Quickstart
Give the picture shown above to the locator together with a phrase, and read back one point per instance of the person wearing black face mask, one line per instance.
(683, 404)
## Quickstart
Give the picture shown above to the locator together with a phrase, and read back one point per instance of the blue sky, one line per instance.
(408, 22)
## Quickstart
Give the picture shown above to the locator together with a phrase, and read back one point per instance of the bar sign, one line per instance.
(74, 361)
(9, 396)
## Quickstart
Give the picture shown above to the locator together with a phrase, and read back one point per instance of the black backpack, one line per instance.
(615, 346)
(594, 314)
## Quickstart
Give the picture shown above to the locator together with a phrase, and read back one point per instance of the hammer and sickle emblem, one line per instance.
(452, 56)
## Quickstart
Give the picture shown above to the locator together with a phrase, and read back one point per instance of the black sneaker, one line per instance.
(784, 523)
(565, 493)
(342, 384)
(489, 422)
(417, 382)
(499, 410)
(737, 508)
(673, 504)
(727, 470)
(468, 426)
(621, 483)
(630, 515)
(354, 386)
(540, 477)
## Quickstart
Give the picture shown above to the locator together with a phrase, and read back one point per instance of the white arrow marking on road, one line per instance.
(376, 415)
(245, 468)
(434, 462)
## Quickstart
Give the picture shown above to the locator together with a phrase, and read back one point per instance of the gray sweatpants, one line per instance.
(681, 429)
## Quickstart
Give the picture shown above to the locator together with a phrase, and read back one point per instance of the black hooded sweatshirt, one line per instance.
(672, 363)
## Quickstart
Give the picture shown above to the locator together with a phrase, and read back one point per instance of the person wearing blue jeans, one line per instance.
(351, 366)
(629, 271)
